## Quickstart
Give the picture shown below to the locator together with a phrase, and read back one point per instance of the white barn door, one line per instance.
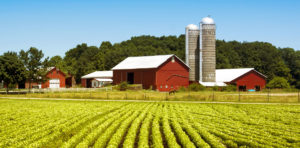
(54, 83)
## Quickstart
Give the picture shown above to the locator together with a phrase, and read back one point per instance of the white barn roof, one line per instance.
(143, 62)
(99, 74)
(227, 75)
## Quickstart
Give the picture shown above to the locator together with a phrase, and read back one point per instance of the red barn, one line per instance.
(243, 78)
(161, 72)
(56, 79)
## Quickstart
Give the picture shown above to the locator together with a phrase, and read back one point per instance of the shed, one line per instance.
(97, 79)
(243, 78)
(159, 72)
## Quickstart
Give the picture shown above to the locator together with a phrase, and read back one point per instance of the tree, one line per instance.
(58, 62)
(12, 70)
(35, 68)
(55, 61)
(262, 56)
(278, 82)
(82, 60)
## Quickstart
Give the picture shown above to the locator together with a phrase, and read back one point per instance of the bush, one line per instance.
(230, 88)
(196, 87)
(182, 89)
(123, 86)
(278, 82)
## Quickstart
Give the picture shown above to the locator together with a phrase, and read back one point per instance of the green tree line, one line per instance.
(266, 58)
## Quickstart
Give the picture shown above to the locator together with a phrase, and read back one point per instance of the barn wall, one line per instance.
(146, 77)
(55, 74)
(83, 83)
(172, 75)
(32, 84)
(250, 80)
(52, 74)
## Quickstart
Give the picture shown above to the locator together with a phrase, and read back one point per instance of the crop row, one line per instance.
(144, 125)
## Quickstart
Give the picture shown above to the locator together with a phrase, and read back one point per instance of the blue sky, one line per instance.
(58, 25)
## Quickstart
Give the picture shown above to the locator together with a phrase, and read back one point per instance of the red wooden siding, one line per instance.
(52, 74)
(250, 80)
(171, 74)
(146, 77)
(83, 82)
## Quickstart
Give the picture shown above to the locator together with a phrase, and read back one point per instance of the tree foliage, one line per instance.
(12, 70)
(36, 67)
(278, 82)
(264, 57)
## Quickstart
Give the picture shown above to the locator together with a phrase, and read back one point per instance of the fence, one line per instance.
(108, 93)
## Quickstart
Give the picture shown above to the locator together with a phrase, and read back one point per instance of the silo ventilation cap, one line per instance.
(192, 27)
(207, 20)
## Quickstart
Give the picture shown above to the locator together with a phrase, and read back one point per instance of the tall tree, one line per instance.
(82, 60)
(12, 70)
(36, 68)
(58, 62)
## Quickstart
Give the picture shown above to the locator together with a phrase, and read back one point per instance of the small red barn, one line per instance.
(161, 72)
(243, 78)
(56, 79)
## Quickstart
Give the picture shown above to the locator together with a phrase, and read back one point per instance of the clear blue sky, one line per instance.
(58, 25)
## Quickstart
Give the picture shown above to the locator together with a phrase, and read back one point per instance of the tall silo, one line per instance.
(192, 51)
(207, 53)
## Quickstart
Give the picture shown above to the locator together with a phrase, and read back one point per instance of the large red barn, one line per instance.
(161, 72)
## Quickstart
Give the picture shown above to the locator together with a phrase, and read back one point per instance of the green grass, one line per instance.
(275, 97)
(64, 123)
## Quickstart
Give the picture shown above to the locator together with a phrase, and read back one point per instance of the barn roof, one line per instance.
(99, 74)
(104, 80)
(228, 75)
(144, 62)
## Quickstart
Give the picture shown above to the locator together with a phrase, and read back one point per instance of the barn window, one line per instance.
(242, 88)
(173, 59)
(257, 88)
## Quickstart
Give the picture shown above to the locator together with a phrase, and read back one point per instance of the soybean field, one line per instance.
(64, 123)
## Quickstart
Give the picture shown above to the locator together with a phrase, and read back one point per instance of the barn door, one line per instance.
(130, 77)
(54, 83)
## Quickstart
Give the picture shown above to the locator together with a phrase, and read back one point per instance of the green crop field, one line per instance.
(64, 123)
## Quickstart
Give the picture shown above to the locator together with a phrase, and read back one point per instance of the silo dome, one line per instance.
(192, 27)
(207, 20)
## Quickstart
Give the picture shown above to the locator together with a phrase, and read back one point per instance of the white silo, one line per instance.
(192, 51)
(207, 62)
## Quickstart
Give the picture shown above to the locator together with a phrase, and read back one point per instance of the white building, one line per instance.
(97, 79)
